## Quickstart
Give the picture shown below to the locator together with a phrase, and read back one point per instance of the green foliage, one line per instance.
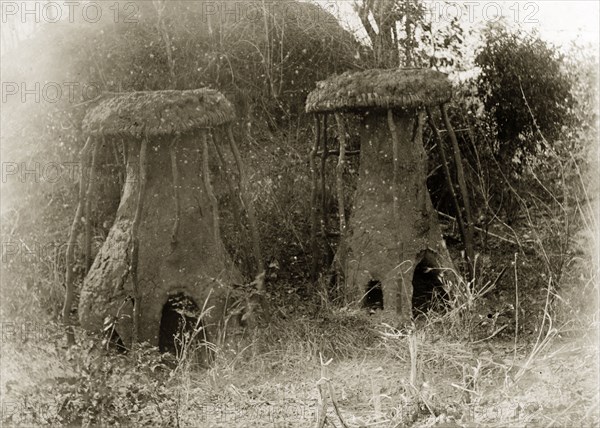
(409, 34)
(525, 89)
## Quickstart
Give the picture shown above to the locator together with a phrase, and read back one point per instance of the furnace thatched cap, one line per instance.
(158, 113)
(380, 89)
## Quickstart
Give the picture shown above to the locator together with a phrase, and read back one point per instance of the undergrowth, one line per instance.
(451, 369)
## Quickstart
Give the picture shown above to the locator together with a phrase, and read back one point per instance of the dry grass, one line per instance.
(428, 377)
(454, 369)
(378, 377)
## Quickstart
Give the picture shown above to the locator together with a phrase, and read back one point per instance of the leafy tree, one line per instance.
(407, 33)
(525, 89)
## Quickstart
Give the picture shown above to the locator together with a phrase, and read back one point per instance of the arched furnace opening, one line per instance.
(427, 285)
(373, 298)
(178, 323)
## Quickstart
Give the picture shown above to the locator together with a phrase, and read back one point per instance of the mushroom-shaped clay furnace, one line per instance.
(392, 239)
(164, 246)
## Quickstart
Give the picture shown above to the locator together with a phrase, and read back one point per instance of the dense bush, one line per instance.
(525, 88)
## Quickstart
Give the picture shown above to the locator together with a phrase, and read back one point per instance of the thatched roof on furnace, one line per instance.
(380, 89)
(158, 113)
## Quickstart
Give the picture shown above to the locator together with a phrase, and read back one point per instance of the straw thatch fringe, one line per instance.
(380, 89)
(156, 113)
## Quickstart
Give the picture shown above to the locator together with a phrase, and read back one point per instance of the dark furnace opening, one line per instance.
(428, 290)
(177, 324)
(373, 298)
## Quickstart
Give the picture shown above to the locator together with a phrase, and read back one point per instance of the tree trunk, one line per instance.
(462, 185)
